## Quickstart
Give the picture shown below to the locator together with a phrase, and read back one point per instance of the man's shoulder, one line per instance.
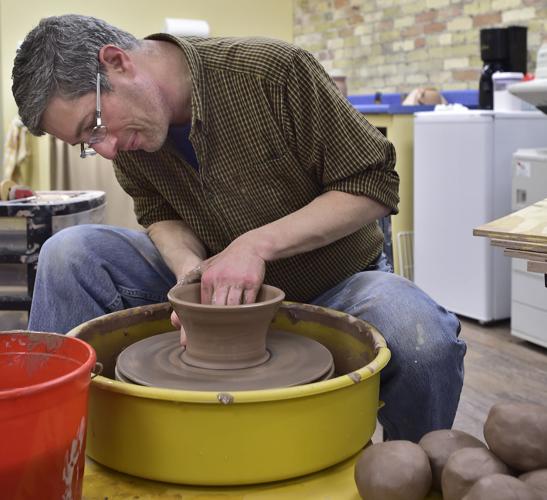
(256, 56)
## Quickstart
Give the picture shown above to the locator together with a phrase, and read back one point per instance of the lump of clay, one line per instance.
(501, 487)
(536, 479)
(517, 433)
(465, 467)
(394, 470)
(439, 445)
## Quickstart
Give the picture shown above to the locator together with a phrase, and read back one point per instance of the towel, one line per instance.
(16, 151)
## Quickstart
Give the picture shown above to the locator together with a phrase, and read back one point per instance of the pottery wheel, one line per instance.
(157, 362)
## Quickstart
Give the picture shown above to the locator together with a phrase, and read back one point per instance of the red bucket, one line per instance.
(44, 383)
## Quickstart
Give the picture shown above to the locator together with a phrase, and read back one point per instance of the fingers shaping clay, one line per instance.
(465, 467)
(501, 487)
(517, 434)
(439, 445)
(394, 470)
(536, 479)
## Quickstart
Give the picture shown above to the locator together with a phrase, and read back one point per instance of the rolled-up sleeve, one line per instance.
(328, 136)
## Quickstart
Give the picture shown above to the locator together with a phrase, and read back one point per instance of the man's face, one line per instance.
(133, 112)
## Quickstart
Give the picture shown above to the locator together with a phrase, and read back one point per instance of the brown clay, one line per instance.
(501, 487)
(465, 467)
(394, 470)
(537, 479)
(439, 445)
(157, 361)
(517, 434)
(225, 337)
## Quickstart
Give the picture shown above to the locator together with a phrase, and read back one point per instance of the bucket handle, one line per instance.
(97, 370)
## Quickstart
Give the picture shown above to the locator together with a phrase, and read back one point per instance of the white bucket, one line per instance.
(503, 100)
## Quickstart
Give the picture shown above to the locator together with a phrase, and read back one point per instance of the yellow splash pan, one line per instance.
(241, 437)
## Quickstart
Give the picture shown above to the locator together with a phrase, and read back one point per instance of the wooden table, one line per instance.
(522, 235)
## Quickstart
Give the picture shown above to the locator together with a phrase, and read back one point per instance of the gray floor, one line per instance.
(498, 367)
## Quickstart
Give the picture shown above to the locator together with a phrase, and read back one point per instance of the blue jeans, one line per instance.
(90, 270)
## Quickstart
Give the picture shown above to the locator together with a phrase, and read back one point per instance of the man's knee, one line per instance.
(410, 320)
(70, 245)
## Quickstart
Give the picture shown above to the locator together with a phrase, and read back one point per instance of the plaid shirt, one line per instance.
(271, 132)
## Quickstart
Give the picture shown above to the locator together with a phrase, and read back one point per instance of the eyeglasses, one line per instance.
(99, 132)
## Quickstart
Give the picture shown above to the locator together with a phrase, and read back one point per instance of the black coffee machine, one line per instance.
(502, 49)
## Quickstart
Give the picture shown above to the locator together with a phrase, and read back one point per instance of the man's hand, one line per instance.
(234, 276)
(175, 321)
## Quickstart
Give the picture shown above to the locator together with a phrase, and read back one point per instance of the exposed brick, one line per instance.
(502, 5)
(338, 4)
(460, 24)
(399, 44)
(490, 19)
(427, 16)
(477, 7)
(511, 16)
(413, 31)
(445, 39)
(456, 63)
(435, 4)
(385, 25)
(355, 19)
(450, 13)
(434, 27)
(466, 74)
(404, 22)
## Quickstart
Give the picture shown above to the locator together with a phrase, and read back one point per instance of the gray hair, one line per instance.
(59, 57)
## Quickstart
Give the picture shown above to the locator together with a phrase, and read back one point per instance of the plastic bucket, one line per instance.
(44, 382)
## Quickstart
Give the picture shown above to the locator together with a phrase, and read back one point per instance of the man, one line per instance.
(246, 165)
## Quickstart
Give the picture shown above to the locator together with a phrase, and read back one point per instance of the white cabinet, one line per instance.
(528, 291)
(462, 179)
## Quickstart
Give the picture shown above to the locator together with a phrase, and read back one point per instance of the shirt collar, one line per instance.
(196, 74)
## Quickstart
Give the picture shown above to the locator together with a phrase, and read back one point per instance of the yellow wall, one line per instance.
(272, 18)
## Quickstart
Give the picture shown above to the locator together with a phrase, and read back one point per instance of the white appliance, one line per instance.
(462, 179)
(528, 290)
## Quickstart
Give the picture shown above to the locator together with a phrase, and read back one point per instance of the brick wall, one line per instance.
(397, 45)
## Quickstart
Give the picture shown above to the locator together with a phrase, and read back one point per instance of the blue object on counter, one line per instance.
(390, 103)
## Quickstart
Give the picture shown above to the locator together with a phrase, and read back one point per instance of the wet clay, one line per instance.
(517, 434)
(157, 361)
(537, 479)
(225, 337)
(229, 348)
(465, 467)
(393, 470)
(501, 487)
(439, 445)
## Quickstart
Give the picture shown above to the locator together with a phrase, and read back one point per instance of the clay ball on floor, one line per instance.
(536, 479)
(467, 466)
(517, 434)
(394, 470)
(501, 487)
(439, 445)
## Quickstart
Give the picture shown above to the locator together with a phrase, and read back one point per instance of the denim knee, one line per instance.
(415, 326)
(69, 248)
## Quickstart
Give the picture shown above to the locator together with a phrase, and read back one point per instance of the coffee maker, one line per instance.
(502, 49)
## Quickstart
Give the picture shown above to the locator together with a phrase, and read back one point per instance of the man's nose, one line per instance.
(107, 148)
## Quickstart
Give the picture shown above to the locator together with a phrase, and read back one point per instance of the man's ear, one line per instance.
(116, 59)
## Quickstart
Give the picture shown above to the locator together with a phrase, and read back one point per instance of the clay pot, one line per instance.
(225, 337)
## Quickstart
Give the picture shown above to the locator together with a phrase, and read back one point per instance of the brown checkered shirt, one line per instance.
(271, 132)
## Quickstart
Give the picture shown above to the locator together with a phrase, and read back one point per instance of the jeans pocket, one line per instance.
(133, 297)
